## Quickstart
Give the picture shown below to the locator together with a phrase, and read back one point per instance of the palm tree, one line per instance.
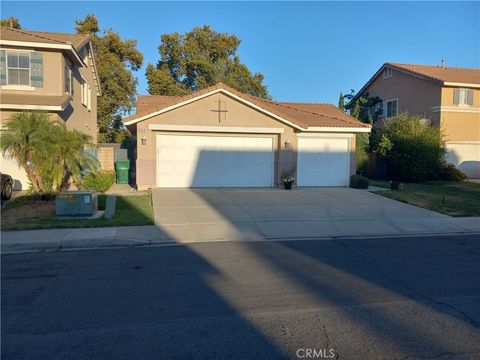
(24, 137)
(51, 155)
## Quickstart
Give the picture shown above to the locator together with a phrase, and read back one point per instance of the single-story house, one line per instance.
(220, 137)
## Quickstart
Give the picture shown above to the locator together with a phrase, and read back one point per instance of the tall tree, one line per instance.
(11, 22)
(198, 59)
(116, 60)
(341, 101)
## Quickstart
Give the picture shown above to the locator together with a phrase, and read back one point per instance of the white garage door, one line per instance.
(465, 156)
(214, 161)
(323, 161)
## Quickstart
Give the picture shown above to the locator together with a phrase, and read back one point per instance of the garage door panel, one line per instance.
(323, 161)
(214, 161)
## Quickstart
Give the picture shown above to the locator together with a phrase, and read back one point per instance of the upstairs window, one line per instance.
(387, 73)
(463, 97)
(391, 108)
(67, 77)
(18, 68)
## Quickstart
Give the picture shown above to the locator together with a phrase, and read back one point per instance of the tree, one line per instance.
(363, 107)
(116, 59)
(11, 22)
(341, 101)
(198, 59)
(50, 154)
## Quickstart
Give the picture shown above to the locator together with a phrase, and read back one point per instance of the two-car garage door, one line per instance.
(200, 160)
(214, 161)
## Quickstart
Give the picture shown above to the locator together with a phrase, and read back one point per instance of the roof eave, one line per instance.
(39, 45)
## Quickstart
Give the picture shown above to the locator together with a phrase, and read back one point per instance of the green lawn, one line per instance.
(24, 214)
(454, 199)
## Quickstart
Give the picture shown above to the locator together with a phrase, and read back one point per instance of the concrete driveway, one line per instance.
(227, 214)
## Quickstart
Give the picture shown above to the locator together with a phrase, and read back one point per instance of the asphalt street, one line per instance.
(393, 298)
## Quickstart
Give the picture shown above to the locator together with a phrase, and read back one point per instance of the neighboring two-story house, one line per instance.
(448, 97)
(53, 72)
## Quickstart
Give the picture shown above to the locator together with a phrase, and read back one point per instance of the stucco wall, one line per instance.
(460, 123)
(76, 115)
(415, 96)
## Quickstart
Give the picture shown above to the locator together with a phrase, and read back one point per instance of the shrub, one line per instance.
(361, 155)
(413, 149)
(100, 181)
(451, 173)
(358, 182)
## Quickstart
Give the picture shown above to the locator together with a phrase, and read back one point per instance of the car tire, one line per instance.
(7, 191)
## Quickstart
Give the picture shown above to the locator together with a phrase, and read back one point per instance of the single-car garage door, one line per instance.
(214, 161)
(323, 161)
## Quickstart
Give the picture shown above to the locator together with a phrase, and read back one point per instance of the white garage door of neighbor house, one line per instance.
(323, 161)
(465, 156)
(214, 161)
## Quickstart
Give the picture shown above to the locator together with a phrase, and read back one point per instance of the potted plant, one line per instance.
(288, 179)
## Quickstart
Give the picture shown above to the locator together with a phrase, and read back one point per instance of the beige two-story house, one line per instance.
(448, 97)
(47, 71)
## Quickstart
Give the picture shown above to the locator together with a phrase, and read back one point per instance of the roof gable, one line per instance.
(444, 76)
(292, 114)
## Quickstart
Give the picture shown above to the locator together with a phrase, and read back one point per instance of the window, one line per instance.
(89, 99)
(463, 97)
(18, 68)
(84, 92)
(391, 108)
(387, 73)
(67, 77)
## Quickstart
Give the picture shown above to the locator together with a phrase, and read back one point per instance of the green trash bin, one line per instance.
(121, 169)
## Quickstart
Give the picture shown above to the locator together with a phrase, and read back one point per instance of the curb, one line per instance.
(58, 247)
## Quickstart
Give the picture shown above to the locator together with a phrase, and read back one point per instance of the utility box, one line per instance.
(76, 203)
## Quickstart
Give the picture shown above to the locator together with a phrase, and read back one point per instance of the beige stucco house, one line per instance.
(219, 137)
(448, 97)
(54, 72)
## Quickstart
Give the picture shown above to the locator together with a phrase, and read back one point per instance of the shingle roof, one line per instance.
(304, 115)
(76, 40)
(444, 74)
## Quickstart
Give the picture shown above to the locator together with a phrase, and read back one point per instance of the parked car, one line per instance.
(7, 186)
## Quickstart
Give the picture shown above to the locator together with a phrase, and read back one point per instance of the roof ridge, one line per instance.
(32, 33)
(306, 103)
(434, 66)
(57, 32)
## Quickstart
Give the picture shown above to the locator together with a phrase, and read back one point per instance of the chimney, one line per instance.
(443, 63)
(11, 22)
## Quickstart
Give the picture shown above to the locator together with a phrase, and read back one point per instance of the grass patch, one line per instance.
(451, 198)
(26, 214)
(379, 183)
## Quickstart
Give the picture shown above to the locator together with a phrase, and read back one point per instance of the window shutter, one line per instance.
(470, 96)
(36, 69)
(3, 68)
(456, 96)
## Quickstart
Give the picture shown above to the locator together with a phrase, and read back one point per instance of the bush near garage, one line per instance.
(358, 182)
(100, 181)
(451, 173)
(413, 149)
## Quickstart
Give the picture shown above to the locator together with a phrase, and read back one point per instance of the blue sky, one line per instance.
(308, 51)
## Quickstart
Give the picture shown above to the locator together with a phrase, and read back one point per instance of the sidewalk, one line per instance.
(134, 236)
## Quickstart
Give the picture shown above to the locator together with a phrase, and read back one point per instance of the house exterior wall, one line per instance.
(460, 123)
(76, 115)
(415, 95)
(199, 113)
